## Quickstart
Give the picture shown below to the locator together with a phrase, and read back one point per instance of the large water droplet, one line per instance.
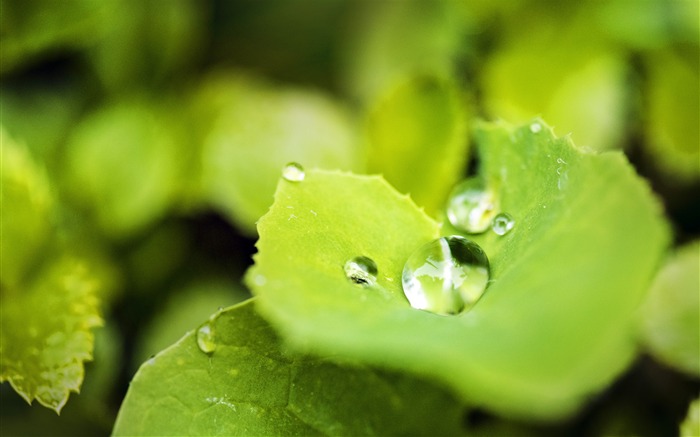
(293, 172)
(206, 338)
(446, 276)
(502, 223)
(361, 271)
(471, 207)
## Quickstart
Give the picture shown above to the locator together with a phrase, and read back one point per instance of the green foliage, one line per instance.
(550, 275)
(46, 333)
(670, 318)
(248, 386)
(423, 122)
(255, 129)
(691, 425)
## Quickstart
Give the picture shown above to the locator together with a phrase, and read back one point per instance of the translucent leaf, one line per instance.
(418, 139)
(46, 332)
(124, 165)
(247, 386)
(556, 322)
(670, 325)
(256, 130)
(25, 214)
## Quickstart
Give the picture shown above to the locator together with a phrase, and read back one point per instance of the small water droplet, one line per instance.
(535, 127)
(446, 276)
(502, 223)
(293, 172)
(471, 207)
(206, 340)
(361, 271)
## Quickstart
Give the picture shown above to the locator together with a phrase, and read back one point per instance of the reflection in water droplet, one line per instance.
(471, 207)
(293, 172)
(446, 276)
(361, 271)
(535, 127)
(206, 340)
(502, 223)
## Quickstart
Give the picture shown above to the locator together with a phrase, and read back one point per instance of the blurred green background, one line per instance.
(159, 127)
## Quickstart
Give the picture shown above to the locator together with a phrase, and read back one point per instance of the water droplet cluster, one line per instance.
(471, 208)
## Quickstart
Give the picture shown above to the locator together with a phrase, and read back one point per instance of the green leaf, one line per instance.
(555, 324)
(670, 324)
(124, 165)
(247, 386)
(690, 427)
(418, 139)
(46, 332)
(26, 210)
(256, 131)
(580, 91)
(673, 112)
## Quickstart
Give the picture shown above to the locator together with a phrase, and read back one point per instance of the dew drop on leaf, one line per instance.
(502, 223)
(470, 207)
(535, 127)
(293, 172)
(361, 271)
(206, 338)
(446, 276)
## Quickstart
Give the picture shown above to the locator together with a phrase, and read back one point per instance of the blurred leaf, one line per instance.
(670, 325)
(418, 140)
(246, 386)
(148, 41)
(31, 30)
(26, 210)
(390, 41)
(535, 72)
(674, 110)
(46, 332)
(183, 310)
(691, 425)
(554, 325)
(125, 164)
(259, 129)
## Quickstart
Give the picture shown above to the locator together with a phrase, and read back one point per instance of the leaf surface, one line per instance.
(555, 323)
(670, 324)
(46, 332)
(247, 386)
(418, 139)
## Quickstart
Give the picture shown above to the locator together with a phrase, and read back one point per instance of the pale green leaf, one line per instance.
(46, 332)
(26, 210)
(418, 139)
(673, 113)
(575, 82)
(555, 324)
(124, 165)
(690, 427)
(670, 317)
(259, 128)
(247, 386)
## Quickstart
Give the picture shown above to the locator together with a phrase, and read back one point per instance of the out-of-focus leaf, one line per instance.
(183, 310)
(418, 139)
(247, 386)
(691, 425)
(46, 332)
(26, 210)
(125, 163)
(672, 124)
(556, 322)
(390, 41)
(670, 318)
(260, 128)
(579, 91)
